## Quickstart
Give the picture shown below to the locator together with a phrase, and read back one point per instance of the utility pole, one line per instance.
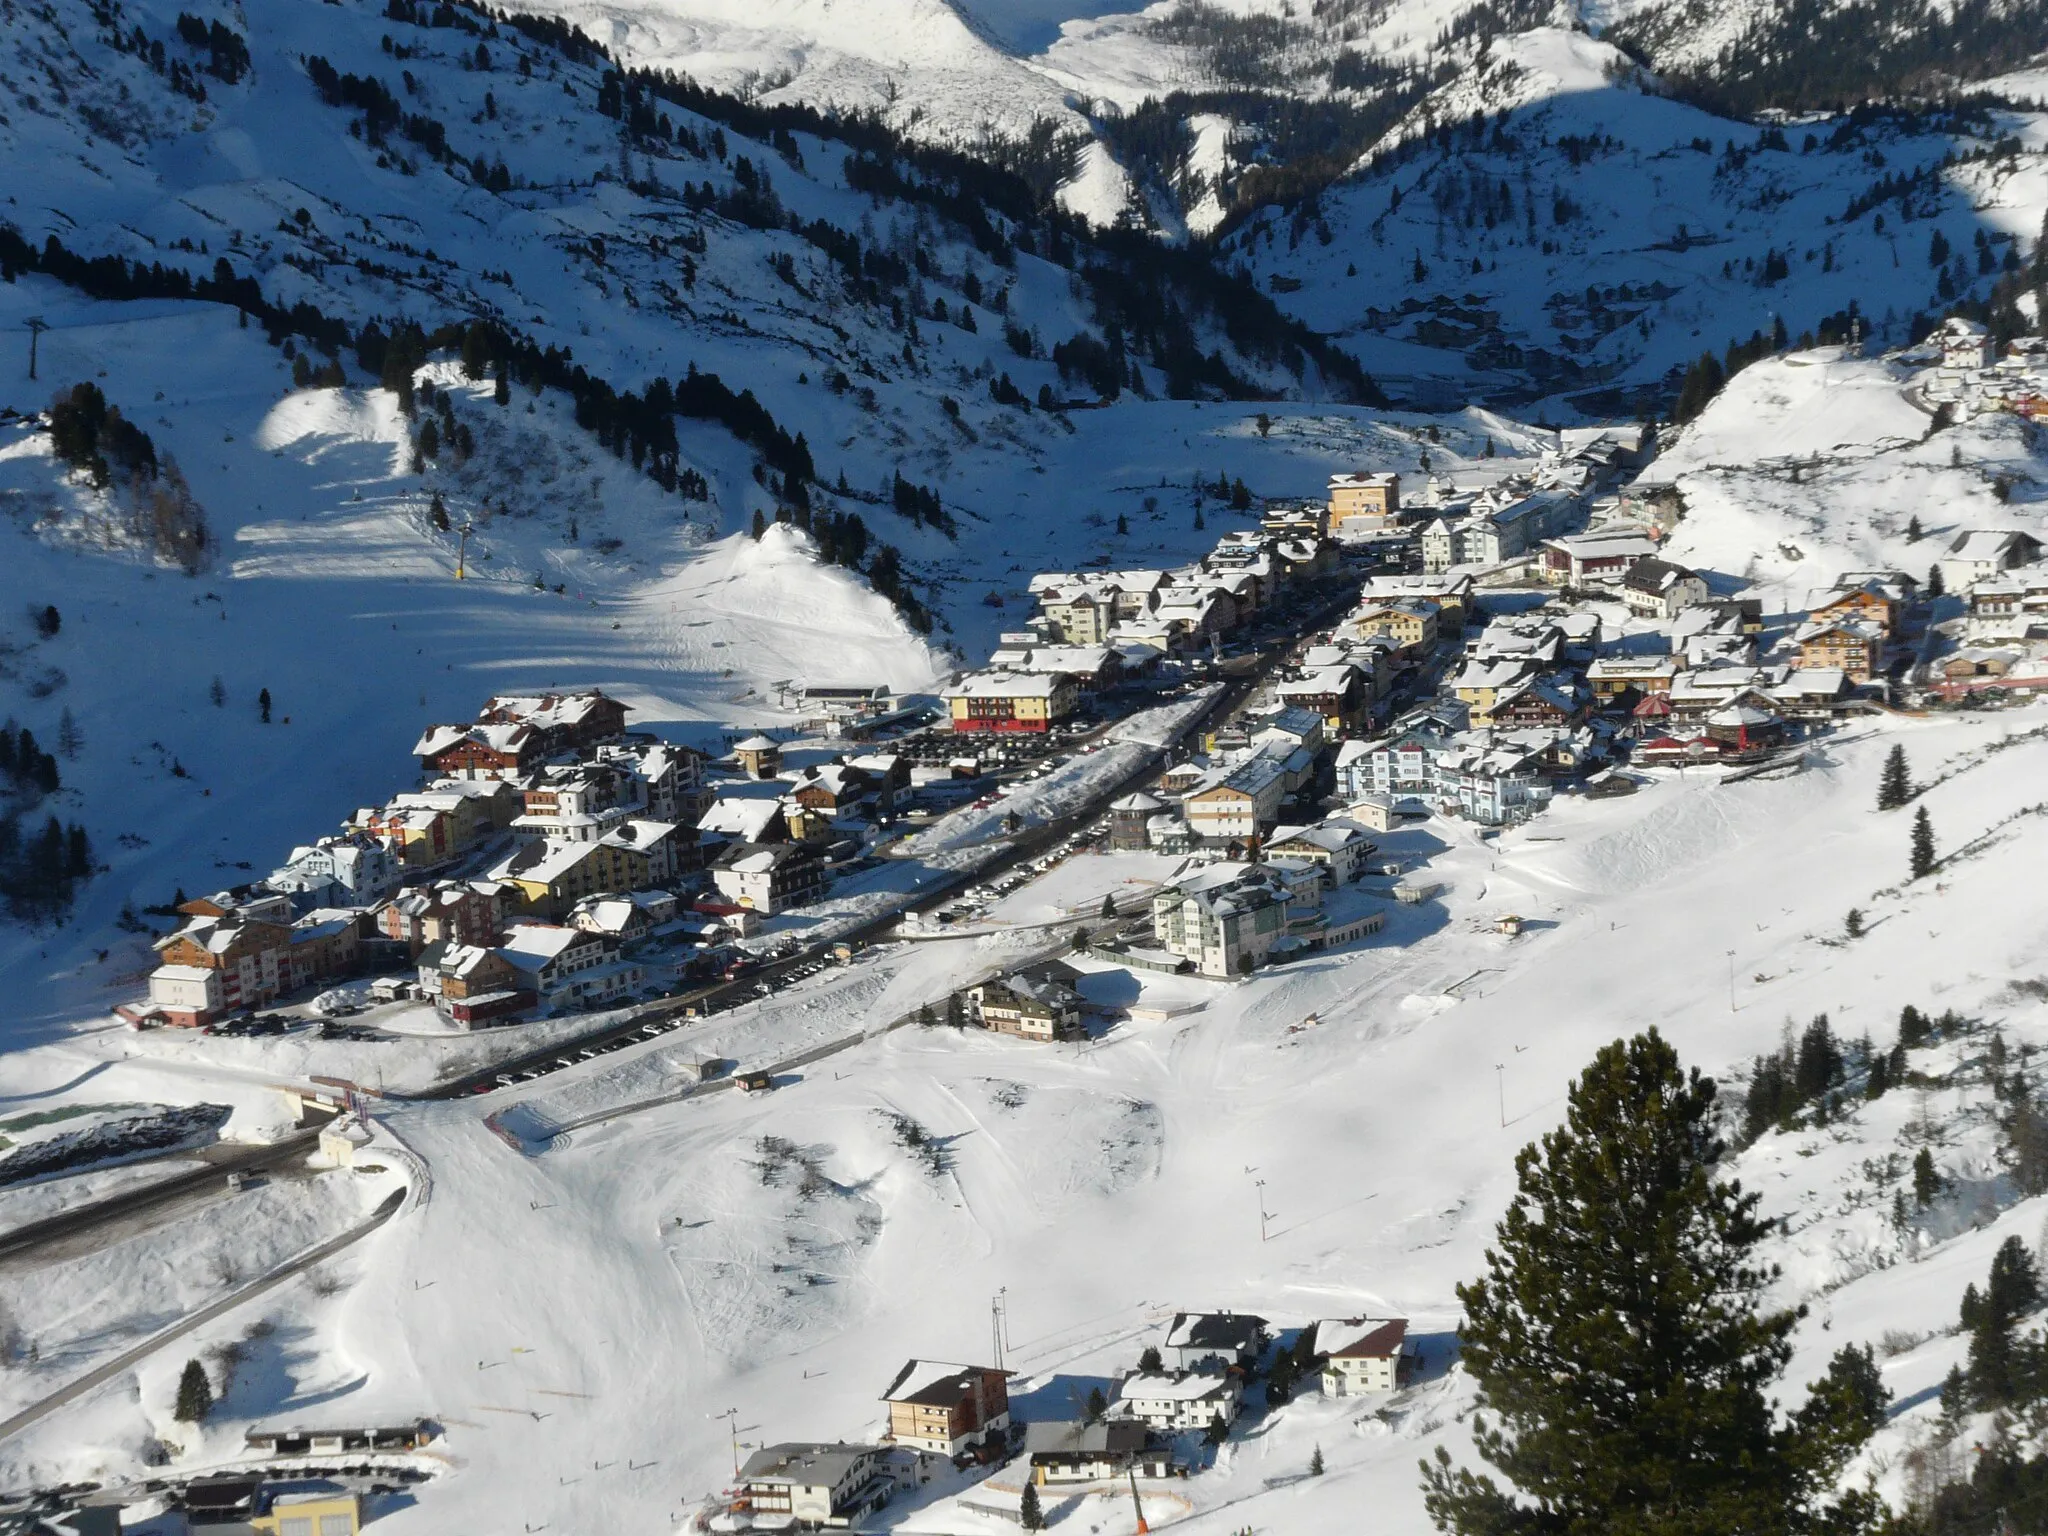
(732, 1419)
(36, 326)
(1731, 981)
(462, 551)
(1264, 1216)
(1136, 1503)
(998, 1316)
(1500, 1082)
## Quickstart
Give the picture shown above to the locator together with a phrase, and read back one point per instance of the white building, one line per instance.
(350, 870)
(814, 1485)
(1193, 1400)
(1226, 918)
(1361, 1354)
(1240, 802)
(569, 967)
(1976, 554)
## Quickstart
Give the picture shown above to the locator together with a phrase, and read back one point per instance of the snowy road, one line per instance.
(129, 1358)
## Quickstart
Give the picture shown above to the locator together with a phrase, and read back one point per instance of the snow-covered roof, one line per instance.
(181, 973)
(532, 945)
(1006, 685)
(746, 819)
(1191, 1387)
(508, 736)
(1329, 836)
(1356, 1338)
(809, 1465)
(1987, 543)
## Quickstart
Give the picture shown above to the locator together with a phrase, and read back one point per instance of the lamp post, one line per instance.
(36, 326)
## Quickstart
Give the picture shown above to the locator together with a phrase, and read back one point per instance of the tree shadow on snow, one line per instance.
(1435, 1354)
(266, 1377)
(1058, 1398)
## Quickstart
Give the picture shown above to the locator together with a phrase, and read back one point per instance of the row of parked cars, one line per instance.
(571, 1055)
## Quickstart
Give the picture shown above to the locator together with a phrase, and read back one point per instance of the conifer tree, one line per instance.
(1999, 1368)
(263, 705)
(760, 525)
(2026, 1140)
(1029, 1515)
(1098, 1405)
(1936, 587)
(1923, 844)
(1149, 1362)
(1926, 1181)
(195, 1394)
(1623, 1359)
(1315, 1463)
(1108, 913)
(1913, 1028)
(1914, 533)
(1895, 784)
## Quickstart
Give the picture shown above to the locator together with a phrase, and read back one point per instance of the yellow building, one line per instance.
(1079, 617)
(1411, 625)
(1373, 496)
(310, 1514)
(552, 878)
(1003, 701)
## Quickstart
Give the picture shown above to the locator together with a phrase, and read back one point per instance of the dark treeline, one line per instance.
(1808, 55)
(40, 870)
(1004, 206)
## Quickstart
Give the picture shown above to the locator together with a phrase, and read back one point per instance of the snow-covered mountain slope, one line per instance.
(1814, 464)
(929, 57)
(783, 1256)
(1297, 86)
(330, 576)
(1548, 224)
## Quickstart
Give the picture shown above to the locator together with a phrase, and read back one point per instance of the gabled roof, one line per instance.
(1989, 543)
(1214, 1330)
(532, 945)
(1081, 1437)
(1655, 576)
(936, 1383)
(512, 737)
(1190, 1387)
(1360, 1338)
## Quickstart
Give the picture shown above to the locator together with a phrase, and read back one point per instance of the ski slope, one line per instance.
(1106, 1187)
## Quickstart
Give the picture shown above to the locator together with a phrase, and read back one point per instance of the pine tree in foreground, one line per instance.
(195, 1394)
(1315, 1463)
(1623, 1360)
(1923, 844)
(1029, 1515)
(1895, 784)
